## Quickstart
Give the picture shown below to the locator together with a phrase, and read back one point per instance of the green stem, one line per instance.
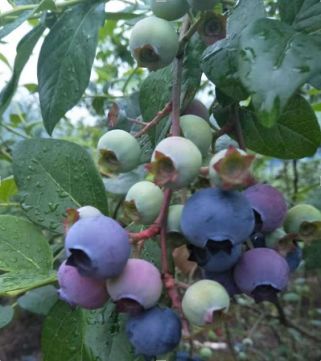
(20, 8)
(9, 204)
(129, 79)
(13, 131)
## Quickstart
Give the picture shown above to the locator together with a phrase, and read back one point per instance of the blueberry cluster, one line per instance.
(230, 230)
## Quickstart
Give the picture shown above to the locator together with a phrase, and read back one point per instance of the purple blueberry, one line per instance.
(261, 273)
(80, 291)
(98, 247)
(154, 332)
(223, 217)
(139, 284)
(214, 259)
(196, 107)
(269, 205)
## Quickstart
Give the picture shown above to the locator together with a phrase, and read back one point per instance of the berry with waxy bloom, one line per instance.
(80, 291)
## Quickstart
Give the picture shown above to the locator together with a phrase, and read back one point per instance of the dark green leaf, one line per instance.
(80, 335)
(8, 189)
(65, 60)
(312, 255)
(53, 175)
(295, 135)
(39, 300)
(220, 64)
(24, 50)
(274, 62)
(289, 9)
(6, 315)
(25, 15)
(245, 12)
(25, 256)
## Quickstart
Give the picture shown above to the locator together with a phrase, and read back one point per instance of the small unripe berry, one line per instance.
(299, 214)
(198, 131)
(202, 300)
(153, 43)
(119, 152)
(98, 247)
(169, 9)
(176, 162)
(143, 202)
(80, 291)
(140, 282)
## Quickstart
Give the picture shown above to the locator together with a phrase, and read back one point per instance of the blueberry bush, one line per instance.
(167, 229)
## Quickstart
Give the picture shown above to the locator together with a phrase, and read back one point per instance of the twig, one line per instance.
(159, 116)
(295, 180)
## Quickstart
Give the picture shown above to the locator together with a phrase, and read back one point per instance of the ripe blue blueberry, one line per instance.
(261, 273)
(80, 291)
(184, 356)
(294, 257)
(269, 205)
(154, 332)
(98, 247)
(226, 279)
(139, 284)
(214, 259)
(225, 218)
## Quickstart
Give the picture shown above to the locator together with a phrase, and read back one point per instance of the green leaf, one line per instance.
(80, 335)
(39, 300)
(274, 62)
(53, 175)
(66, 59)
(295, 135)
(7, 28)
(6, 315)
(220, 65)
(312, 255)
(24, 50)
(304, 15)
(25, 256)
(244, 13)
(8, 189)
(5, 60)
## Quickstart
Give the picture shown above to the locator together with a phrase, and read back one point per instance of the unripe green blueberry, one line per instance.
(272, 239)
(175, 236)
(202, 300)
(198, 131)
(214, 176)
(174, 218)
(153, 43)
(201, 5)
(143, 202)
(176, 162)
(119, 152)
(169, 9)
(299, 214)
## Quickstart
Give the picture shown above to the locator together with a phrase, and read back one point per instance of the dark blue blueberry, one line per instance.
(294, 258)
(154, 332)
(258, 240)
(184, 356)
(218, 216)
(226, 279)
